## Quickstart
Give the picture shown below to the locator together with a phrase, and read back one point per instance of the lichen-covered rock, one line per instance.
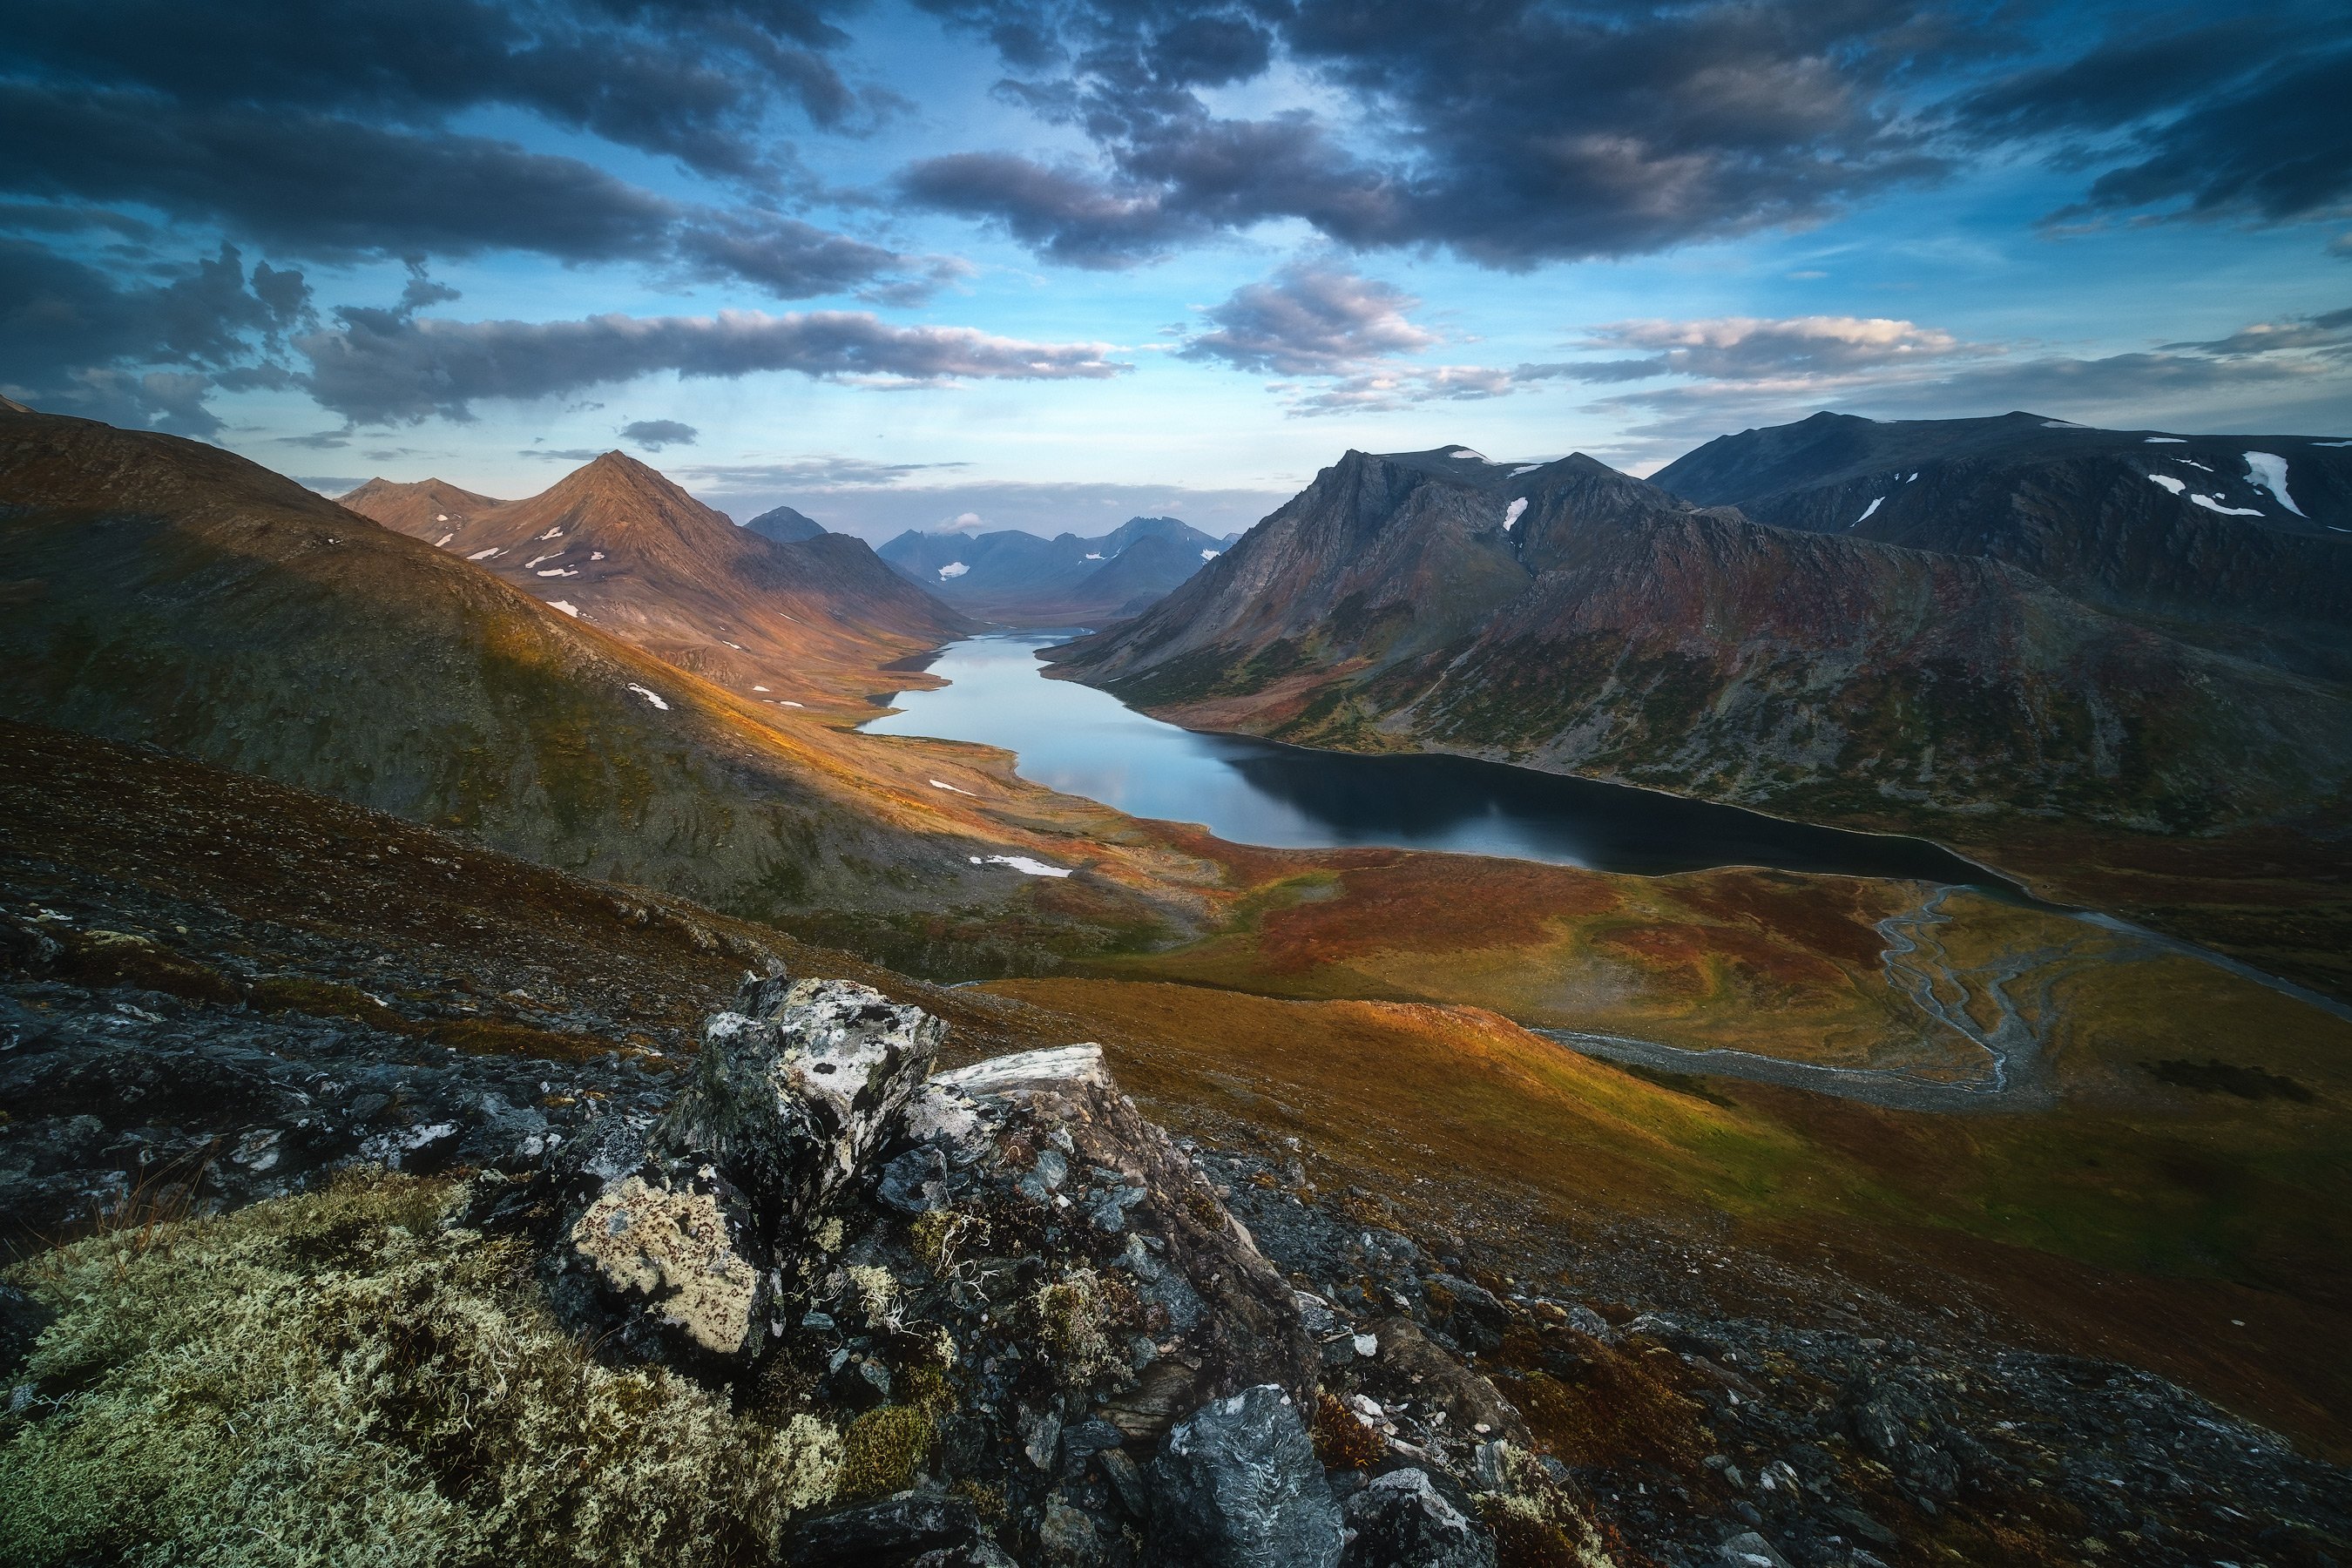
(704, 1221)
(792, 1101)
(676, 1249)
(1237, 1486)
(1402, 1520)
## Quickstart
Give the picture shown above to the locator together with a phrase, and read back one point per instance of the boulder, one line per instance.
(1402, 1520)
(1749, 1550)
(1237, 1485)
(1473, 1407)
(791, 1101)
(1467, 1312)
(702, 1224)
(895, 1532)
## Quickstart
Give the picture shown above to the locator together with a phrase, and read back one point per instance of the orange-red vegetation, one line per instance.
(1431, 903)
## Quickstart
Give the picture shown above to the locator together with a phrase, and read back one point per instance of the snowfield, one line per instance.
(1021, 863)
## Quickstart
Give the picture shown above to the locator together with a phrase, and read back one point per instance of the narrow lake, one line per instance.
(1083, 742)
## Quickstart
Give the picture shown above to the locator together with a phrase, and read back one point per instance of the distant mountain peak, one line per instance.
(784, 525)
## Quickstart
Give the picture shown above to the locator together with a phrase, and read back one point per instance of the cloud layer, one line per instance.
(379, 367)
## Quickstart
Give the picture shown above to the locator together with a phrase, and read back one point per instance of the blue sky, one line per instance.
(1052, 264)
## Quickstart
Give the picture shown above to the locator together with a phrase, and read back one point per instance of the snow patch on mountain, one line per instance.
(1876, 502)
(2268, 469)
(566, 606)
(1021, 863)
(652, 697)
(1512, 512)
(953, 569)
(2168, 482)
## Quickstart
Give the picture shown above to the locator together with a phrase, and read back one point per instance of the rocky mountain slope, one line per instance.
(429, 509)
(166, 593)
(1570, 617)
(784, 525)
(1023, 580)
(2241, 542)
(618, 544)
(857, 1270)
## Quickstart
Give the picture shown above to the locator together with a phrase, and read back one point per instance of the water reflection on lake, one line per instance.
(1086, 743)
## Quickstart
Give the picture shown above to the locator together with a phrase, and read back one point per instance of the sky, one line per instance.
(1048, 264)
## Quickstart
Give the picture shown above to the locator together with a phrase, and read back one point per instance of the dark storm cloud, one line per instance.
(653, 435)
(691, 81)
(1519, 132)
(81, 341)
(2245, 117)
(329, 186)
(2278, 151)
(325, 130)
(1513, 132)
(319, 186)
(386, 366)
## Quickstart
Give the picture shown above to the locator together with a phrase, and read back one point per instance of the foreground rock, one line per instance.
(1038, 1327)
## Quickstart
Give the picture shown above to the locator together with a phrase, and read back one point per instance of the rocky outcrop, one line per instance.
(1002, 1277)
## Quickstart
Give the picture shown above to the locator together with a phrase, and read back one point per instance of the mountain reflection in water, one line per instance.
(1084, 742)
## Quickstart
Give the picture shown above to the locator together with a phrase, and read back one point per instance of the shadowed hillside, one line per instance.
(164, 592)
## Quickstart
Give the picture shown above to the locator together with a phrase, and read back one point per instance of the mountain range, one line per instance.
(279, 1048)
(165, 593)
(1023, 580)
(1930, 627)
(778, 610)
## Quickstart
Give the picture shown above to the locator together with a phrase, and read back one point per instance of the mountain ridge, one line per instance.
(1567, 617)
(1026, 579)
(168, 593)
(617, 542)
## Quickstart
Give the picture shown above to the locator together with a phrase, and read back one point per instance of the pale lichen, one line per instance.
(874, 1291)
(673, 1247)
(1073, 1317)
(336, 1378)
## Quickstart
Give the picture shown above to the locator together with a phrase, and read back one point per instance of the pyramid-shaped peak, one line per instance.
(617, 474)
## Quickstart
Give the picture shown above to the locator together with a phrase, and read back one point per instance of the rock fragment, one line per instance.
(1402, 1520)
(1237, 1485)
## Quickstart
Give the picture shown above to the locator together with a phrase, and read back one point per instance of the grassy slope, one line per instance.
(161, 591)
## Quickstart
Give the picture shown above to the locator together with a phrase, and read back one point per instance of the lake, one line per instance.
(1083, 742)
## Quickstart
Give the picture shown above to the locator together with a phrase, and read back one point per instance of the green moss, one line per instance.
(940, 1237)
(323, 999)
(338, 1378)
(884, 1450)
(126, 958)
(1075, 1316)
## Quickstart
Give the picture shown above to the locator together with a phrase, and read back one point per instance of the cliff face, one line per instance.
(1575, 618)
